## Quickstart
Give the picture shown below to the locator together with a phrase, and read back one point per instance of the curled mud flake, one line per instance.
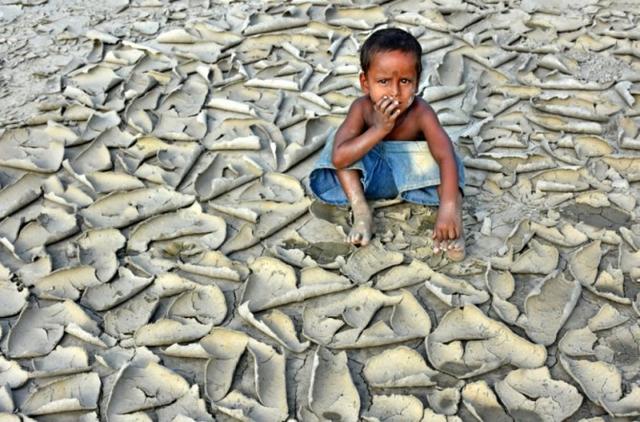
(169, 165)
(276, 325)
(584, 263)
(258, 23)
(563, 124)
(166, 331)
(629, 261)
(205, 303)
(270, 377)
(124, 208)
(241, 407)
(468, 343)
(48, 226)
(187, 99)
(540, 258)
(6, 404)
(480, 400)
(354, 312)
(607, 317)
(578, 342)
(610, 285)
(234, 107)
(225, 347)
(332, 394)
(394, 408)
(399, 368)
(124, 319)
(501, 285)
(437, 93)
(11, 374)
(602, 383)
(548, 307)
(188, 407)
(26, 149)
(565, 235)
(532, 393)
(485, 164)
(215, 265)
(97, 248)
(61, 361)
(274, 187)
(274, 283)
(143, 386)
(74, 393)
(370, 260)
(12, 299)
(591, 146)
(225, 173)
(444, 401)
(16, 195)
(105, 296)
(173, 128)
(66, 283)
(404, 276)
(190, 351)
(431, 416)
(574, 107)
(187, 221)
(39, 329)
(453, 292)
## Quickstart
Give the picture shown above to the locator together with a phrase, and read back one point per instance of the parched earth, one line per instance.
(161, 257)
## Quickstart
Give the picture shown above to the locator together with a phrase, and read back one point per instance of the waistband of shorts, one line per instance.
(404, 146)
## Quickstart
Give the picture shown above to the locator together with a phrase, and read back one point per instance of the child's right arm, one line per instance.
(352, 141)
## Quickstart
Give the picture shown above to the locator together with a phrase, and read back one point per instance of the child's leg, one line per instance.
(455, 248)
(361, 230)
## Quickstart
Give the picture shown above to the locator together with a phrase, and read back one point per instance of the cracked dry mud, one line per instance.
(161, 257)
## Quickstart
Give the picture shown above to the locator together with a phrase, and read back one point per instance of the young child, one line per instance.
(379, 151)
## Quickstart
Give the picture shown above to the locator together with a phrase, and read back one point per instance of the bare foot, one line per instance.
(360, 233)
(456, 248)
(450, 215)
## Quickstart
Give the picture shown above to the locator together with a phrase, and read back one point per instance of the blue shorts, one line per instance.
(390, 169)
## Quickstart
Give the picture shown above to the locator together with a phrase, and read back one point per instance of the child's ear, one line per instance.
(364, 84)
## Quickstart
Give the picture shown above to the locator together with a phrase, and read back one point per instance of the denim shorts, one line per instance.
(390, 169)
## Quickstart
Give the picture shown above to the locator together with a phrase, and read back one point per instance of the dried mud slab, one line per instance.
(67, 395)
(346, 321)
(273, 283)
(602, 384)
(538, 259)
(394, 408)
(122, 209)
(481, 401)
(532, 393)
(277, 325)
(184, 222)
(12, 298)
(108, 295)
(144, 387)
(97, 248)
(453, 292)
(468, 343)
(399, 368)
(272, 216)
(368, 261)
(332, 394)
(548, 307)
(40, 328)
(225, 348)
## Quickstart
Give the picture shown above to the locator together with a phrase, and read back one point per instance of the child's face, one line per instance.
(392, 74)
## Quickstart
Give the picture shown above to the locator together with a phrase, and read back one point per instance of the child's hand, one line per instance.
(387, 110)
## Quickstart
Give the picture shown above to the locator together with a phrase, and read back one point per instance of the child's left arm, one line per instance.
(448, 224)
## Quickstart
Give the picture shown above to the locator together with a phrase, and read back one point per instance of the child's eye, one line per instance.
(382, 81)
(405, 81)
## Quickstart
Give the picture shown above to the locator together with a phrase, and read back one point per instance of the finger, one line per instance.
(436, 246)
(390, 107)
(383, 102)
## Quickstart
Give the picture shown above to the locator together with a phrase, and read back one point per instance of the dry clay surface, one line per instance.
(161, 257)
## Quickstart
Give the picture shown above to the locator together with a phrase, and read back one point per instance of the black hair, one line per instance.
(390, 39)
